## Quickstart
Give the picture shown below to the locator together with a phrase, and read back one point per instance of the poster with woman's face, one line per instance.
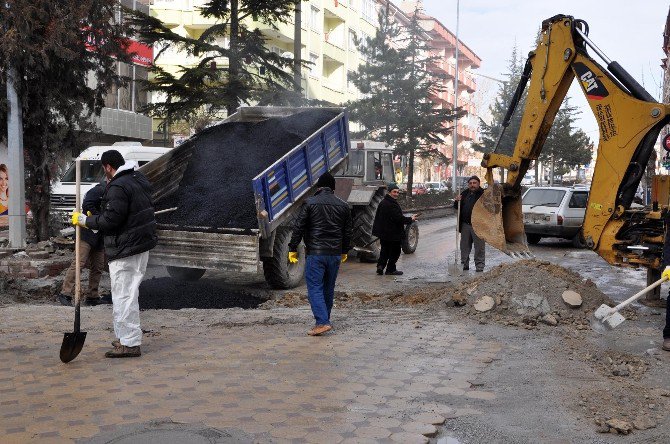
(4, 187)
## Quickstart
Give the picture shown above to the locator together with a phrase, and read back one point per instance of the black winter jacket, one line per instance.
(468, 200)
(389, 224)
(92, 202)
(127, 220)
(324, 222)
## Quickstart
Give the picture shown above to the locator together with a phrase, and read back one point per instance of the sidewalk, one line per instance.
(382, 376)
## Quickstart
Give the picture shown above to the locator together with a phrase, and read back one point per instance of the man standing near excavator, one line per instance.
(468, 198)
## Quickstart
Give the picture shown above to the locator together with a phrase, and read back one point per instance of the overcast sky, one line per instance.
(630, 32)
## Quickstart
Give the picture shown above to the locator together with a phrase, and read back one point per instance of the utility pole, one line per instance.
(454, 156)
(297, 46)
(16, 167)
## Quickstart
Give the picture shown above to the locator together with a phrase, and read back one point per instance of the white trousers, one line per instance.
(126, 275)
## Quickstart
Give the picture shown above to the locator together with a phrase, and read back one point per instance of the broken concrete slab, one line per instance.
(531, 304)
(623, 427)
(484, 304)
(572, 299)
(549, 319)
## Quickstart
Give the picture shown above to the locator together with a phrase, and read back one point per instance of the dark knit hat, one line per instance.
(475, 178)
(326, 180)
(392, 186)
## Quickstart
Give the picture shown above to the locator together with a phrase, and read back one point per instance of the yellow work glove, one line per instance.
(78, 219)
(88, 213)
(344, 258)
(666, 273)
(293, 257)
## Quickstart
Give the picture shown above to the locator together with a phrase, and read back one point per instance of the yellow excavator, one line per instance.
(629, 120)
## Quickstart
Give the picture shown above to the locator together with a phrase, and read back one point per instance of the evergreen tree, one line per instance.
(233, 66)
(569, 146)
(490, 132)
(55, 46)
(398, 83)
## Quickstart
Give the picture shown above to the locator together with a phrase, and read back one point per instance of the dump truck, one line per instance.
(274, 195)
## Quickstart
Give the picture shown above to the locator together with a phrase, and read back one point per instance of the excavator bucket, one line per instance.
(499, 222)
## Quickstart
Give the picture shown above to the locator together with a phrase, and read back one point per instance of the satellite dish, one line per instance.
(287, 54)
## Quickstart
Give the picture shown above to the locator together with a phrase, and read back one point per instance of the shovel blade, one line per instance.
(608, 318)
(72, 345)
(499, 222)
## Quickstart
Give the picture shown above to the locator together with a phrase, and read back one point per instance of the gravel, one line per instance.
(216, 189)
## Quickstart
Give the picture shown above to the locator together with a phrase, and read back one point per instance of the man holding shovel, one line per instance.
(128, 225)
(666, 275)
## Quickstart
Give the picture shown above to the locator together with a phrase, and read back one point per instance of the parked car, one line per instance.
(435, 187)
(461, 182)
(554, 212)
(419, 188)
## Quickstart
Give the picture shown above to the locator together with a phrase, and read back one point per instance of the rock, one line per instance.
(458, 299)
(484, 304)
(620, 370)
(38, 254)
(549, 320)
(623, 427)
(531, 304)
(572, 299)
(643, 423)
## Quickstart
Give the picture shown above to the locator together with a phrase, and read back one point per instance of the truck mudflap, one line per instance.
(212, 251)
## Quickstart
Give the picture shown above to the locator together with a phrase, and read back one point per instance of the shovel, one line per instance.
(74, 342)
(608, 318)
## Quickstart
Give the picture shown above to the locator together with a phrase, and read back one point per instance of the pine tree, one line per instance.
(233, 65)
(55, 47)
(397, 83)
(569, 146)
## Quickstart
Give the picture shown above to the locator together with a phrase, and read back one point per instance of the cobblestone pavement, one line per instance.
(388, 375)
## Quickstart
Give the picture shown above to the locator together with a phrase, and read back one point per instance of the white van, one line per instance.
(63, 192)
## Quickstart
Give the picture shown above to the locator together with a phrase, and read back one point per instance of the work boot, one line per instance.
(93, 301)
(116, 343)
(65, 299)
(380, 270)
(318, 330)
(124, 352)
(394, 273)
(666, 344)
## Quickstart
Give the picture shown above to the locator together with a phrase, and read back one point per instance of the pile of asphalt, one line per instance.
(169, 294)
(216, 189)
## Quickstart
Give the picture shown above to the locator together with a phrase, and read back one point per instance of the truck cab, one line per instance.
(63, 191)
(371, 162)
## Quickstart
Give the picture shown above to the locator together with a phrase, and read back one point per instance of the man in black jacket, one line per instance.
(324, 223)
(389, 227)
(91, 255)
(128, 224)
(468, 198)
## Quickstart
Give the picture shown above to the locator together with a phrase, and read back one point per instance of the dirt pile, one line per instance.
(216, 188)
(529, 291)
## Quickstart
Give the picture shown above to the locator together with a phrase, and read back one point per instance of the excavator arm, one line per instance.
(629, 120)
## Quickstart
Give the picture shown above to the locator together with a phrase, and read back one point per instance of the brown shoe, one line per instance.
(319, 330)
(666, 344)
(124, 352)
(116, 343)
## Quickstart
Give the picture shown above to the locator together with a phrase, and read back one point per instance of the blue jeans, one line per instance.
(320, 275)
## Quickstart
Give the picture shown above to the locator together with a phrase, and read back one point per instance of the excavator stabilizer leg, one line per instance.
(498, 221)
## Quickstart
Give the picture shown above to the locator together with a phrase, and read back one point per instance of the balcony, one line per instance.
(333, 53)
(468, 82)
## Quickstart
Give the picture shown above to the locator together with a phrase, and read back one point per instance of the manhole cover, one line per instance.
(168, 433)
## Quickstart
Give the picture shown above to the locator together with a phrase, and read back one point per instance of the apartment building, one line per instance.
(329, 29)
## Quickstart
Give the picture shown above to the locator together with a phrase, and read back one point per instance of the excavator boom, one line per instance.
(629, 120)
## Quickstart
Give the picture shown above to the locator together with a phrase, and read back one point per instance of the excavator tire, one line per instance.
(363, 217)
(278, 271)
(185, 274)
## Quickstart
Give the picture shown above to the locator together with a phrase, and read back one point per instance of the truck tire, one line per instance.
(363, 217)
(185, 274)
(278, 271)
(533, 239)
(410, 240)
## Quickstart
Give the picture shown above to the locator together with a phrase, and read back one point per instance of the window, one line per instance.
(368, 10)
(543, 197)
(314, 67)
(579, 200)
(314, 21)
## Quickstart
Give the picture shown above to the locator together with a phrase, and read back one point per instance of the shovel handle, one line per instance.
(167, 210)
(77, 243)
(639, 294)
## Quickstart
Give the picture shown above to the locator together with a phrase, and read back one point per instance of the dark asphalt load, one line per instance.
(216, 190)
(169, 294)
